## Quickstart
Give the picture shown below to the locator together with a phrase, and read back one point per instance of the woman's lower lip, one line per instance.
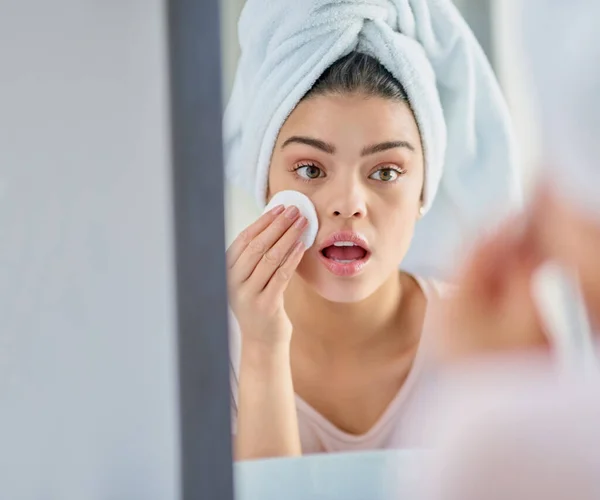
(351, 268)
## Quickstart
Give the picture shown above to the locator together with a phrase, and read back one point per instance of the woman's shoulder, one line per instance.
(435, 288)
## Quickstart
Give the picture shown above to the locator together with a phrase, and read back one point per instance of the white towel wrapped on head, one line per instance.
(470, 166)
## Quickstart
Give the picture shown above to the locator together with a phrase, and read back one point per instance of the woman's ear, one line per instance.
(421, 204)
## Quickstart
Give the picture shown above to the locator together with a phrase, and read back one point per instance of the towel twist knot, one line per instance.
(349, 11)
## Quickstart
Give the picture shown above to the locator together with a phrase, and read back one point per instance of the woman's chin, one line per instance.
(344, 291)
(344, 298)
(339, 289)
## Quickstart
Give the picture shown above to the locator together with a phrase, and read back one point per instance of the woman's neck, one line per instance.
(333, 328)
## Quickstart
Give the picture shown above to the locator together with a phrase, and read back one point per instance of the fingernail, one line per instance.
(299, 247)
(291, 212)
(300, 223)
(277, 210)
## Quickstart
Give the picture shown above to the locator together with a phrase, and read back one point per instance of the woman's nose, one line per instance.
(348, 203)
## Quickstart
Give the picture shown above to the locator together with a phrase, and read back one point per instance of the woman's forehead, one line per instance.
(341, 117)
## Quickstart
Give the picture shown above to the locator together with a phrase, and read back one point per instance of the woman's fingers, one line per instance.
(247, 235)
(485, 263)
(274, 258)
(487, 268)
(282, 276)
(493, 309)
(259, 245)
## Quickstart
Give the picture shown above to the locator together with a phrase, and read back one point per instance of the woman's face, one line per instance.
(360, 160)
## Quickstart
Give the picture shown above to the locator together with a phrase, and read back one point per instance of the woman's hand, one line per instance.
(568, 235)
(493, 310)
(260, 263)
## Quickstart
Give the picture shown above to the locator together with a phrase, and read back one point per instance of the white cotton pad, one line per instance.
(302, 203)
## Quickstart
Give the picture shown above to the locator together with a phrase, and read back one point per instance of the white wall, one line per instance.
(87, 381)
(230, 13)
(513, 74)
(240, 207)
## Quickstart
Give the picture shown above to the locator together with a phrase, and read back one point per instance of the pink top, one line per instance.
(319, 435)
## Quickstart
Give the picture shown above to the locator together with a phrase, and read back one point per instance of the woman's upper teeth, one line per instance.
(344, 244)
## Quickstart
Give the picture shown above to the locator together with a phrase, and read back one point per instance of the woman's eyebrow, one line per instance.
(384, 146)
(309, 141)
(330, 148)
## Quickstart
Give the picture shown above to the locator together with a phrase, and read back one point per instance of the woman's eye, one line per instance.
(385, 175)
(309, 172)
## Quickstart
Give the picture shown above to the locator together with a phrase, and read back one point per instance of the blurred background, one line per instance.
(495, 24)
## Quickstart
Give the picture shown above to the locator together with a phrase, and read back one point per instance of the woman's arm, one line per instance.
(260, 263)
(267, 423)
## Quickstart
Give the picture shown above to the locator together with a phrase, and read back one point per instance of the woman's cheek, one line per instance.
(279, 178)
(402, 199)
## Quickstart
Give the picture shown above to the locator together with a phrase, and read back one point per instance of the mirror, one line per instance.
(328, 353)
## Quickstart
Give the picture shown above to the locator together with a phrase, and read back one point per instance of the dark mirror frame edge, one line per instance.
(198, 209)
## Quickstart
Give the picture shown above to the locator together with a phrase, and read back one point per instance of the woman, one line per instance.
(333, 337)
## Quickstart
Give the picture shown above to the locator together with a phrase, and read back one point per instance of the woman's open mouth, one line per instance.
(345, 253)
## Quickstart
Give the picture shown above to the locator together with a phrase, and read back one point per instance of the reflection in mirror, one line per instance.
(371, 140)
(390, 121)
